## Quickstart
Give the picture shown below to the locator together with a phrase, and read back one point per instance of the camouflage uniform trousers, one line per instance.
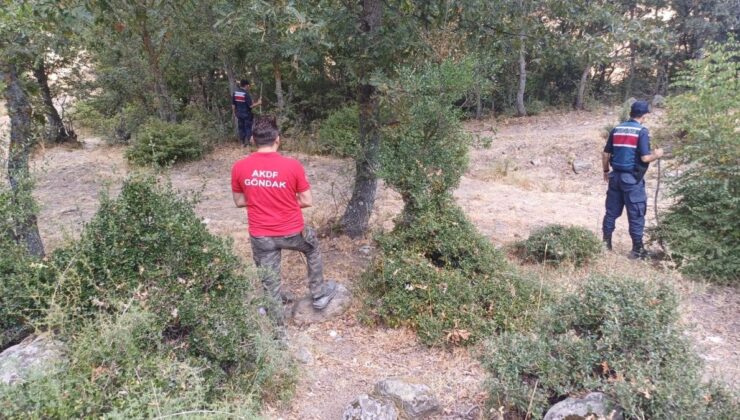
(266, 251)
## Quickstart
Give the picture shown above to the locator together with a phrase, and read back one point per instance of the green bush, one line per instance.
(118, 367)
(162, 143)
(435, 273)
(555, 244)
(338, 135)
(24, 278)
(147, 252)
(701, 226)
(617, 336)
(114, 128)
(441, 278)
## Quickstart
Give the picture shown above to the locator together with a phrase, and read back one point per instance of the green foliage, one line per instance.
(446, 281)
(700, 227)
(115, 128)
(24, 277)
(556, 244)
(177, 311)
(118, 367)
(617, 336)
(162, 143)
(339, 131)
(435, 273)
(425, 150)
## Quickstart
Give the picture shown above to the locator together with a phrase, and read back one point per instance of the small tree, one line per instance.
(435, 272)
(701, 227)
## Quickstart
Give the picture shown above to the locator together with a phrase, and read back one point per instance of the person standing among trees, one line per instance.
(628, 153)
(274, 189)
(241, 107)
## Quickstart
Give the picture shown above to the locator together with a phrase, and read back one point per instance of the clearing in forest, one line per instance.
(523, 181)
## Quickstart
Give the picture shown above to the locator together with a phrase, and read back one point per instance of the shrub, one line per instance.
(117, 127)
(441, 278)
(118, 366)
(434, 272)
(147, 252)
(339, 132)
(162, 143)
(24, 277)
(617, 336)
(555, 244)
(700, 227)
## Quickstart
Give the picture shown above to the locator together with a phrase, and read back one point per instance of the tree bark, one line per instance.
(21, 140)
(521, 111)
(280, 99)
(631, 76)
(478, 102)
(357, 214)
(57, 132)
(580, 100)
(164, 99)
(232, 87)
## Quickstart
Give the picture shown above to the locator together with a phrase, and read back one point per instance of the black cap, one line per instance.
(244, 82)
(639, 108)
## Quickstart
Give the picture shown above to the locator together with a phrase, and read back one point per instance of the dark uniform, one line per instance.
(243, 105)
(627, 143)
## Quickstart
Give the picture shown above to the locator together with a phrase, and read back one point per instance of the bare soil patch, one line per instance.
(523, 181)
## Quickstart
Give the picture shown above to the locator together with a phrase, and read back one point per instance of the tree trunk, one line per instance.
(580, 102)
(57, 132)
(521, 111)
(631, 76)
(280, 100)
(478, 102)
(357, 214)
(232, 87)
(21, 139)
(164, 99)
(661, 82)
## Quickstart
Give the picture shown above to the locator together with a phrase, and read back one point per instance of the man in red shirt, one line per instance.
(274, 189)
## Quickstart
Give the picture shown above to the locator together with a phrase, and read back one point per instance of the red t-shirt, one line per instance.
(270, 182)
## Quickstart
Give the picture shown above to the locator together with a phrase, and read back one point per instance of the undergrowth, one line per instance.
(158, 314)
(162, 143)
(557, 244)
(446, 281)
(618, 336)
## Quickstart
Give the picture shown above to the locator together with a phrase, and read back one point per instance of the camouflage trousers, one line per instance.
(267, 250)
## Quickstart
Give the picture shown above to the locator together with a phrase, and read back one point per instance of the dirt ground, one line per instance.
(523, 181)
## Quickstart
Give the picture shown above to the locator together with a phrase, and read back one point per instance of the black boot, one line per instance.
(607, 238)
(638, 251)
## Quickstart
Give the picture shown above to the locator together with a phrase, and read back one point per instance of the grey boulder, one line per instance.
(580, 165)
(415, 401)
(35, 354)
(591, 407)
(658, 101)
(303, 312)
(367, 407)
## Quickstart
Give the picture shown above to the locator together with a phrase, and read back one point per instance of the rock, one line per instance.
(580, 165)
(366, 250)
(366, 407)
(304, 356)
(658, 101)
(415, 401)
(34, 354)
(594, 404)
(535, 162)
(303, 312)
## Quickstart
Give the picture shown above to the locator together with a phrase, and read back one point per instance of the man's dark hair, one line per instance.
(265, 130)
(243, 82)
